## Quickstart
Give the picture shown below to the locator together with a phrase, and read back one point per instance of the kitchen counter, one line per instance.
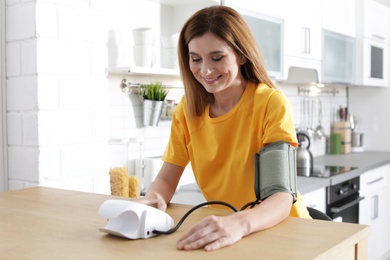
(46, 223)
(359, 163)
(362, 162)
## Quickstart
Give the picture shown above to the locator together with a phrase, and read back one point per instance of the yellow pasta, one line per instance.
(119, 182)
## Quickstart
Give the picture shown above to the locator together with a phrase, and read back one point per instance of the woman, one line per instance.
(231, 109)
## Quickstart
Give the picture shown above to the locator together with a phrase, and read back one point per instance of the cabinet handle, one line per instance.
(379, 37)
(308, 40)
(374, 181)
(346, 206)
(305, 40)
(375, 207)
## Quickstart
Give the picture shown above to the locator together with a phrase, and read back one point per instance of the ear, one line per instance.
(242, 60)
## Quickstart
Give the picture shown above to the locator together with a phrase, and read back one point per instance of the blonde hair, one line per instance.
(227, 24)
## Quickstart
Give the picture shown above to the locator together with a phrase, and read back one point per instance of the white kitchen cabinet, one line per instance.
(372, 43)
(375, 17)
(316, 199)
(302, 29)
(165, 18)
(268, 31)
(338, 61)
(339, 16)
(374, 210)
(302, 35)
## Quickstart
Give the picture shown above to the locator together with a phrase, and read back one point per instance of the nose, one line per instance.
(206, 68)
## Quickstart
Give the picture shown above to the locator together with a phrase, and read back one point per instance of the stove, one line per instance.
(324, 171)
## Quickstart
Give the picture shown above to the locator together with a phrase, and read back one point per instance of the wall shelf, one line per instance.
(143, 71)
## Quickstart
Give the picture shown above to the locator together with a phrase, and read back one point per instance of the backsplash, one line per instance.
(125, 112)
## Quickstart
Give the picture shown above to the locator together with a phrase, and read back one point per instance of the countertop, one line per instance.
(362, 161)
(46, 223)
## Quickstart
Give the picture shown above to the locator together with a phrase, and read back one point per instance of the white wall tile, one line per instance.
(65, 127)
(84, 160)
(30, 128)
(13, 59)
(14, 128)
(72, 23)
(73, 58)
(49, 57)
(18, 185)
(20, 21)
(48, 92)
(100, 126)
(23, 163)
(49, 163)
(76, 92)
(22, 93)
(98, 61)
(46, 20)
(29, 57)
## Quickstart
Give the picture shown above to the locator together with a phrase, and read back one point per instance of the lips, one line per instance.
(211, 80)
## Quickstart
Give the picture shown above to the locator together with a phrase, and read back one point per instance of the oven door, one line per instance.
(346, 210)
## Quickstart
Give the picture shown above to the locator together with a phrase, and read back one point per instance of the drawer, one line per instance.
(373, 180)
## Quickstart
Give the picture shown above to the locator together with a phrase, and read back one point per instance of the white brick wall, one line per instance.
(57, 104)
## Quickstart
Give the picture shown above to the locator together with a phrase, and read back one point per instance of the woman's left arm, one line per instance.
(215, 232)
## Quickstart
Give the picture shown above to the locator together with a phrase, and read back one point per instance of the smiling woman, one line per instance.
(230, 112)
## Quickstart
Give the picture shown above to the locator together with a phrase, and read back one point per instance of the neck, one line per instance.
(226, 100)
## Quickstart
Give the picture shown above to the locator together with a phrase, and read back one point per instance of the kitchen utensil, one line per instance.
(357, 139)
(306, 117)
(335, 143)
(351, 119)
(304, 156)
(344, 129)
(319, 130)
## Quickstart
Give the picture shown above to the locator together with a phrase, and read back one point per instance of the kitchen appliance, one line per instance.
(326, 171)
(342, 201)
(304, 156)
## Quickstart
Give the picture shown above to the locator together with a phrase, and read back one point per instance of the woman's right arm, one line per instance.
(162, 189)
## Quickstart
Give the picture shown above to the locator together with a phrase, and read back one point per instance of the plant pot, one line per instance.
(152, 112)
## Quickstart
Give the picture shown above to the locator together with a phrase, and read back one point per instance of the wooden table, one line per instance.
(46, 223)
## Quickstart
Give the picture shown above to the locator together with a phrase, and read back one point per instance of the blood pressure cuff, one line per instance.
(275, 170)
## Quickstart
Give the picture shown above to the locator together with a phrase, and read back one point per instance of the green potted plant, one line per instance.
(154, 91)
(153, 96)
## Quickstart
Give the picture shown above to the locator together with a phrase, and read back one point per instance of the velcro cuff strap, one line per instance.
(275, 170)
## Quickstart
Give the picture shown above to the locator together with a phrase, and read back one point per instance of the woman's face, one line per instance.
(214, 63)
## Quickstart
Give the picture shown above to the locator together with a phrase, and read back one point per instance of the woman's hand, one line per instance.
(154, 200)
(212, 233)
(215, 232)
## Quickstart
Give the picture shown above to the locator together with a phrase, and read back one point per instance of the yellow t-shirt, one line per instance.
(221, 150)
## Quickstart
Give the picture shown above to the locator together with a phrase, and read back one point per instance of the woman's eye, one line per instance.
(217, 58)
(196, 59)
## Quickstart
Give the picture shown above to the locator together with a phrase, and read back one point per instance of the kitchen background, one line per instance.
(63, 62)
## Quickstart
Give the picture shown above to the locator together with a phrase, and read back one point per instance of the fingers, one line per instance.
(211, 233)
(157, 203)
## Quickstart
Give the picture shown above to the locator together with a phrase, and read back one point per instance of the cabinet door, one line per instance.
(338, 58)
(339, 16)
(315, 199)
(302, 19)
(268, 31)
(372, 212)
(376, 20)
(373, 209)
